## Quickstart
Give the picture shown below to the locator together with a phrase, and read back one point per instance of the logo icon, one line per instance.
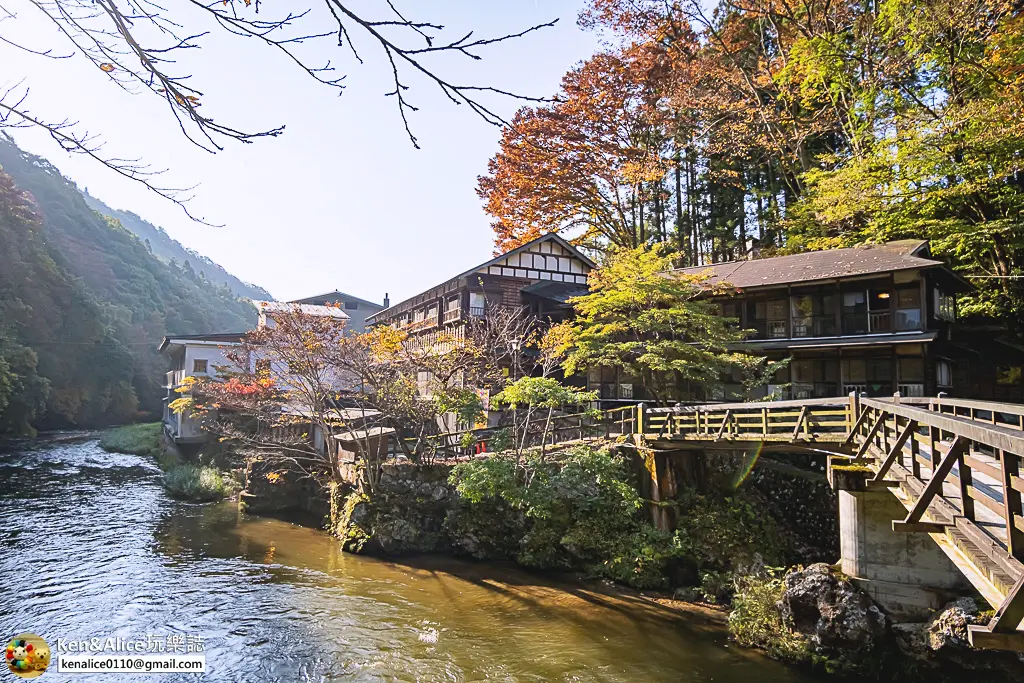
(27, 655)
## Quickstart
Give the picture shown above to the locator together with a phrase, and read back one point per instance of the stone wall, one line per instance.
(792, 488)
(405, 515)
(271, 491)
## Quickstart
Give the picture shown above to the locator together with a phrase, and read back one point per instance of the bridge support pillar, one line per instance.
(907, 574)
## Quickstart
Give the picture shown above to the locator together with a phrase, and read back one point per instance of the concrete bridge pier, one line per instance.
(907, 574)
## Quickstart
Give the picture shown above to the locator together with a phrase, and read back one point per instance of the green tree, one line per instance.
(652, 323)
(539, 392)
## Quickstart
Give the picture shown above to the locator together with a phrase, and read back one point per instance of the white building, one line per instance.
(192, 355)
(200, 356)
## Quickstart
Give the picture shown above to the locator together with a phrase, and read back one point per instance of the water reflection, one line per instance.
(92, 547)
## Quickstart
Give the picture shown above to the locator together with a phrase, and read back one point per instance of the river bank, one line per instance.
(279, 602)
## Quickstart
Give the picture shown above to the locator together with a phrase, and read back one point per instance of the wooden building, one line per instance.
(875, 319)
(540, 275)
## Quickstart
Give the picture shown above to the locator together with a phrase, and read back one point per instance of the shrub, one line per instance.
(755, 620)
(580, 512)
(193, 482)
(140, 439)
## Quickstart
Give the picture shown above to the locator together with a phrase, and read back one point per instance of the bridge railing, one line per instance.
(961, 471)
(966, 462)
(1000, 414)
(798, 420)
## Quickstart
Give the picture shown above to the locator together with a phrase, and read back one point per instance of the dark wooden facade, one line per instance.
(875, 320)
(540, 275)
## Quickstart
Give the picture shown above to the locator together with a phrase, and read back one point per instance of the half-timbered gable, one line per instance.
(509, 279)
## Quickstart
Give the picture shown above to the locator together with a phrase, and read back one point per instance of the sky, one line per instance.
(341, 200)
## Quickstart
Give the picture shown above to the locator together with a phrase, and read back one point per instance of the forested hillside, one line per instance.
(83, 305)
(735, 129)
(168, 249)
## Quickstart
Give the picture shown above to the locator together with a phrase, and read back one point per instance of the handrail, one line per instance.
(994, 436)
(718, 407)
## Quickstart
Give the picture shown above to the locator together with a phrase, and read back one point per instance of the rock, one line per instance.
(941, 645)
(949, 628)
(831, 611)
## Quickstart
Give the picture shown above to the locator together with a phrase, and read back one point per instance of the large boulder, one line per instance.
(941, 644)
(831, 612)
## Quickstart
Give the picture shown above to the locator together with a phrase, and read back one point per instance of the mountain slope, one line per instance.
(83, 305)
(166, 248)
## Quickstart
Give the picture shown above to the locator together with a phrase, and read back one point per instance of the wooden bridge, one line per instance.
(954, 466)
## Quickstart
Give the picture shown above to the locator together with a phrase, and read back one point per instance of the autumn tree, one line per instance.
(590, 162)
(139, 46)
(783, 126)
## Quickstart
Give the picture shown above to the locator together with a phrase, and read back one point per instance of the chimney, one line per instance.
(387, 301)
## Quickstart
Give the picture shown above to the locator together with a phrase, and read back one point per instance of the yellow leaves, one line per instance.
(273, 477)
(385, 341)
(186, 385)
(180, 405)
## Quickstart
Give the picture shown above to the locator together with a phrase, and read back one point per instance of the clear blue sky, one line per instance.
(341, 200)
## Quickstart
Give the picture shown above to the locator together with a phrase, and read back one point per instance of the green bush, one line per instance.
(580, 512)
(755, 620)
(196, 483)
(140, 439)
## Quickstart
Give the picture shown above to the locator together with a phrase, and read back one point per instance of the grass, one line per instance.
(195, 482)
(755, 620)
(140, 439)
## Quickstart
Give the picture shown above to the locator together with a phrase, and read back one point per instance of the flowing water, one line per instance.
(91, 547)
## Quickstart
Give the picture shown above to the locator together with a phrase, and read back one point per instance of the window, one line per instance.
(477, 304)
(854, 370)
(199, 367)
(945, 306)
(908, 298)
(730, 309)
(944, 373)
(351, 306)
(908, 304)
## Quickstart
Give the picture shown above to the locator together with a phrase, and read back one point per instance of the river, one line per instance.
(91, 547)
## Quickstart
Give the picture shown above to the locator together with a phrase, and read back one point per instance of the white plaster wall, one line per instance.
(213, 355)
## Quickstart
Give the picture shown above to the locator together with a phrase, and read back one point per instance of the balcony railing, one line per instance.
(855, 323)
(174, 379)
(452, 315)
(881, 321)
(814, 326)
(777, 329)
(477, 311)
(912, 390)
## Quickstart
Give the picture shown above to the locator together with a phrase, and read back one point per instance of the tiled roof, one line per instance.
(220, 338)
(336, 295)
(810, 266)
(308, 309)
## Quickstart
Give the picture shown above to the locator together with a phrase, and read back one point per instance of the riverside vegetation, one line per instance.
(187, 481)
